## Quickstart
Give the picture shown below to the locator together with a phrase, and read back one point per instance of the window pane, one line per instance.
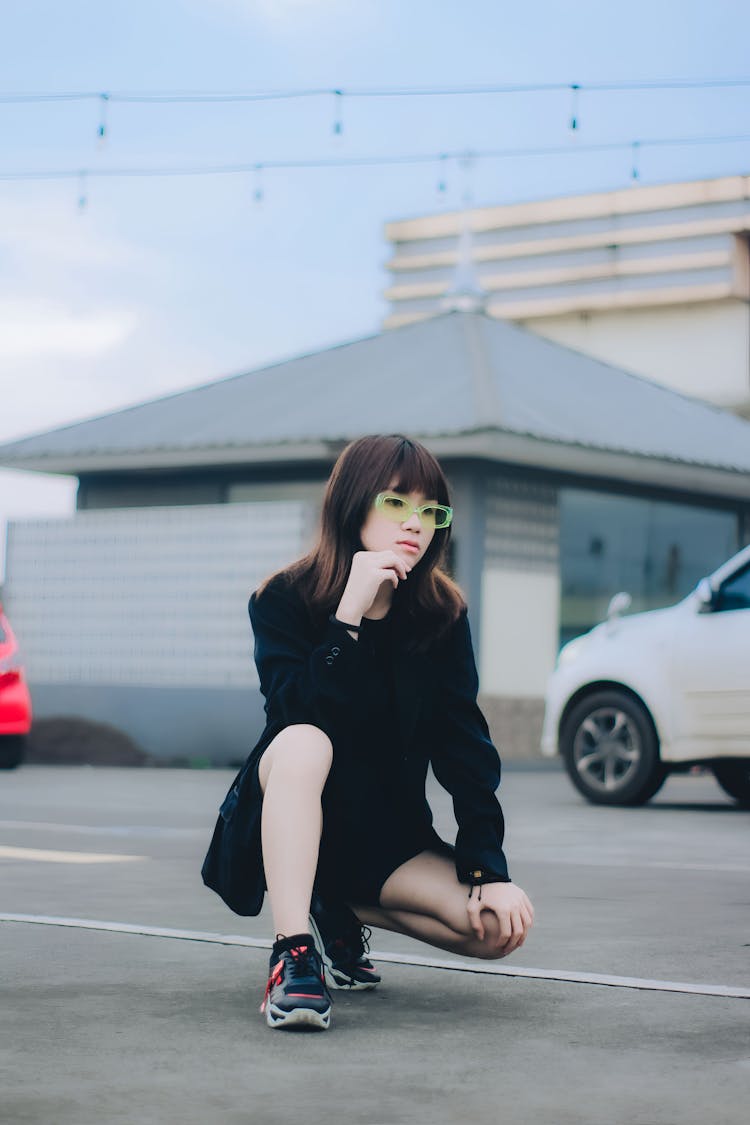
(735, 594)
(654, 549)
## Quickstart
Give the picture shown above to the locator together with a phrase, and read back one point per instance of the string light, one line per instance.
(634, 171)
(83, 198)
(258, 192)
(101, 132)
(574, 107)
(338, 125)
(426, 92)
(371, 161)
(442, 184)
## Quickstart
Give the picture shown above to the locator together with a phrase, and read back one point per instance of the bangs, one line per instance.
(416, 470)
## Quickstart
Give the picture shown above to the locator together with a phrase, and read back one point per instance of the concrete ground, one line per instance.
(103, 1026)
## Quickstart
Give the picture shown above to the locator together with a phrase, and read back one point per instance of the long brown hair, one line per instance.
(431, 599)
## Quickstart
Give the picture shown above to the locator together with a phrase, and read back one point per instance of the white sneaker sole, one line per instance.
(334, 977)
(297, 1017)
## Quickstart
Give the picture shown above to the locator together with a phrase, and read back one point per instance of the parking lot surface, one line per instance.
(628, 1002)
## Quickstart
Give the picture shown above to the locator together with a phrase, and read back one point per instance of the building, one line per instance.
(571, 480)
(652, 279)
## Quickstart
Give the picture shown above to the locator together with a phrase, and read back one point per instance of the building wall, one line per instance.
(701, 350)
(520, 605)
(520, 587)
(653, 279)
(139, 617)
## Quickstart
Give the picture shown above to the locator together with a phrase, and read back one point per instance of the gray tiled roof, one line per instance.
(451, 375)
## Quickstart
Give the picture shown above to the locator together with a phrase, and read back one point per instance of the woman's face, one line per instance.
(409, 539)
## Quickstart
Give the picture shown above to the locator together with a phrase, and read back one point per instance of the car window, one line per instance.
(735, 592)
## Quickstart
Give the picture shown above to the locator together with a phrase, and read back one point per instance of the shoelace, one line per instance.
(365, 933)
(355, 946)
(303, 965)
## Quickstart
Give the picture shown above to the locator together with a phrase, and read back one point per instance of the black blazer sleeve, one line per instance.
(466, 763)
(304, 679)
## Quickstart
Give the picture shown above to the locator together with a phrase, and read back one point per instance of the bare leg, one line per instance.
(293, 772)
(428, 929)
(424, 900)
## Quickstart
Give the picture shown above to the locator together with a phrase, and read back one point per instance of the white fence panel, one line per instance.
(147, 596)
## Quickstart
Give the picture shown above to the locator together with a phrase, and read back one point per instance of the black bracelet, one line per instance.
(335, 621)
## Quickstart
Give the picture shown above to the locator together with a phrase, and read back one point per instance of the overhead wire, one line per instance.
(208, 96)
(460, 155)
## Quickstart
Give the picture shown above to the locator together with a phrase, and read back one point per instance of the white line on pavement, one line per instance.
(563, 975)
(39, 855)
(108, 829)
(152, 831)
(636, 863)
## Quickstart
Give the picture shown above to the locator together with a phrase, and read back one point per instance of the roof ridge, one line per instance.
(486, 398)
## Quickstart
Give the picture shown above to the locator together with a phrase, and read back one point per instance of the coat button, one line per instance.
(329, 660)
(335, 650)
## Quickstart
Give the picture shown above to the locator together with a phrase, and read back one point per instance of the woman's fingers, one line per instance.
(398, 562)
(474, 911)
(505, 920)
(512, 931)
(398, 571)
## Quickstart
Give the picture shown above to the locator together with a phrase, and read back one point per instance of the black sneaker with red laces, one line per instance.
(342, 942)
(296, 994)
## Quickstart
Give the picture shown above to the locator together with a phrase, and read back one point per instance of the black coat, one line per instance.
(320, 675)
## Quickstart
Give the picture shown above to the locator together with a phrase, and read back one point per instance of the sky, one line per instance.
(115, 290)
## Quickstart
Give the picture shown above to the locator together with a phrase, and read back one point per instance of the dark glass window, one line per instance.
(735, 593)
(450, 559)
(655, 550)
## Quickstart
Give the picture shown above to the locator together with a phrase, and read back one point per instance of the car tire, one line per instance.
(734, 779)
(12, 750)
(611, 750)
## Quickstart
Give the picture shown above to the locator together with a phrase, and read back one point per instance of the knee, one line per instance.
(487, 949)
(301, 752)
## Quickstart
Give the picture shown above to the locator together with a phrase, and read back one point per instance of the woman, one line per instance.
(365, 660)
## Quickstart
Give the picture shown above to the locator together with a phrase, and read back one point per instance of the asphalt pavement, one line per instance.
(129, 993)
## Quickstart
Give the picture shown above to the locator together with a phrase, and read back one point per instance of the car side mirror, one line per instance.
(705, 595)
(619, 604)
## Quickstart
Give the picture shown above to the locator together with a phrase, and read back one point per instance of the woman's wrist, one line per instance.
(348, 613)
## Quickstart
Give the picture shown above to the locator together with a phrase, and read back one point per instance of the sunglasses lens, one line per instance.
(398, 508)
(438, 516)
(394, 507)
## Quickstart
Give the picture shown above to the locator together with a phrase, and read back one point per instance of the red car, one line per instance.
(15, 701)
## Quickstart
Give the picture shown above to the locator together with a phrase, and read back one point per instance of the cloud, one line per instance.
(32, 329)
(279, 14)
(44, 241)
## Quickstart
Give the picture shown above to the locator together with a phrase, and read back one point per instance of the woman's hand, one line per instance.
(512, 908)
(369, 570)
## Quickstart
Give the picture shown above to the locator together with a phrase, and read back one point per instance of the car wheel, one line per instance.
(734, 779)
(12, 750)
(611, 750)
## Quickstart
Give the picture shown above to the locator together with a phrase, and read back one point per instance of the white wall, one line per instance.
(520, 630)
(700, 349)
(146, 596)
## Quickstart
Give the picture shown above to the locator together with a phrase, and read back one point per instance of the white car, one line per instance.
(638, 697)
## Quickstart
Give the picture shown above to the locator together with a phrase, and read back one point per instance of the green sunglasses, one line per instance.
(399, 509)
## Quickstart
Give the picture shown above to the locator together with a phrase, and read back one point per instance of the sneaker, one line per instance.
(343, 944)
(296, 993)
